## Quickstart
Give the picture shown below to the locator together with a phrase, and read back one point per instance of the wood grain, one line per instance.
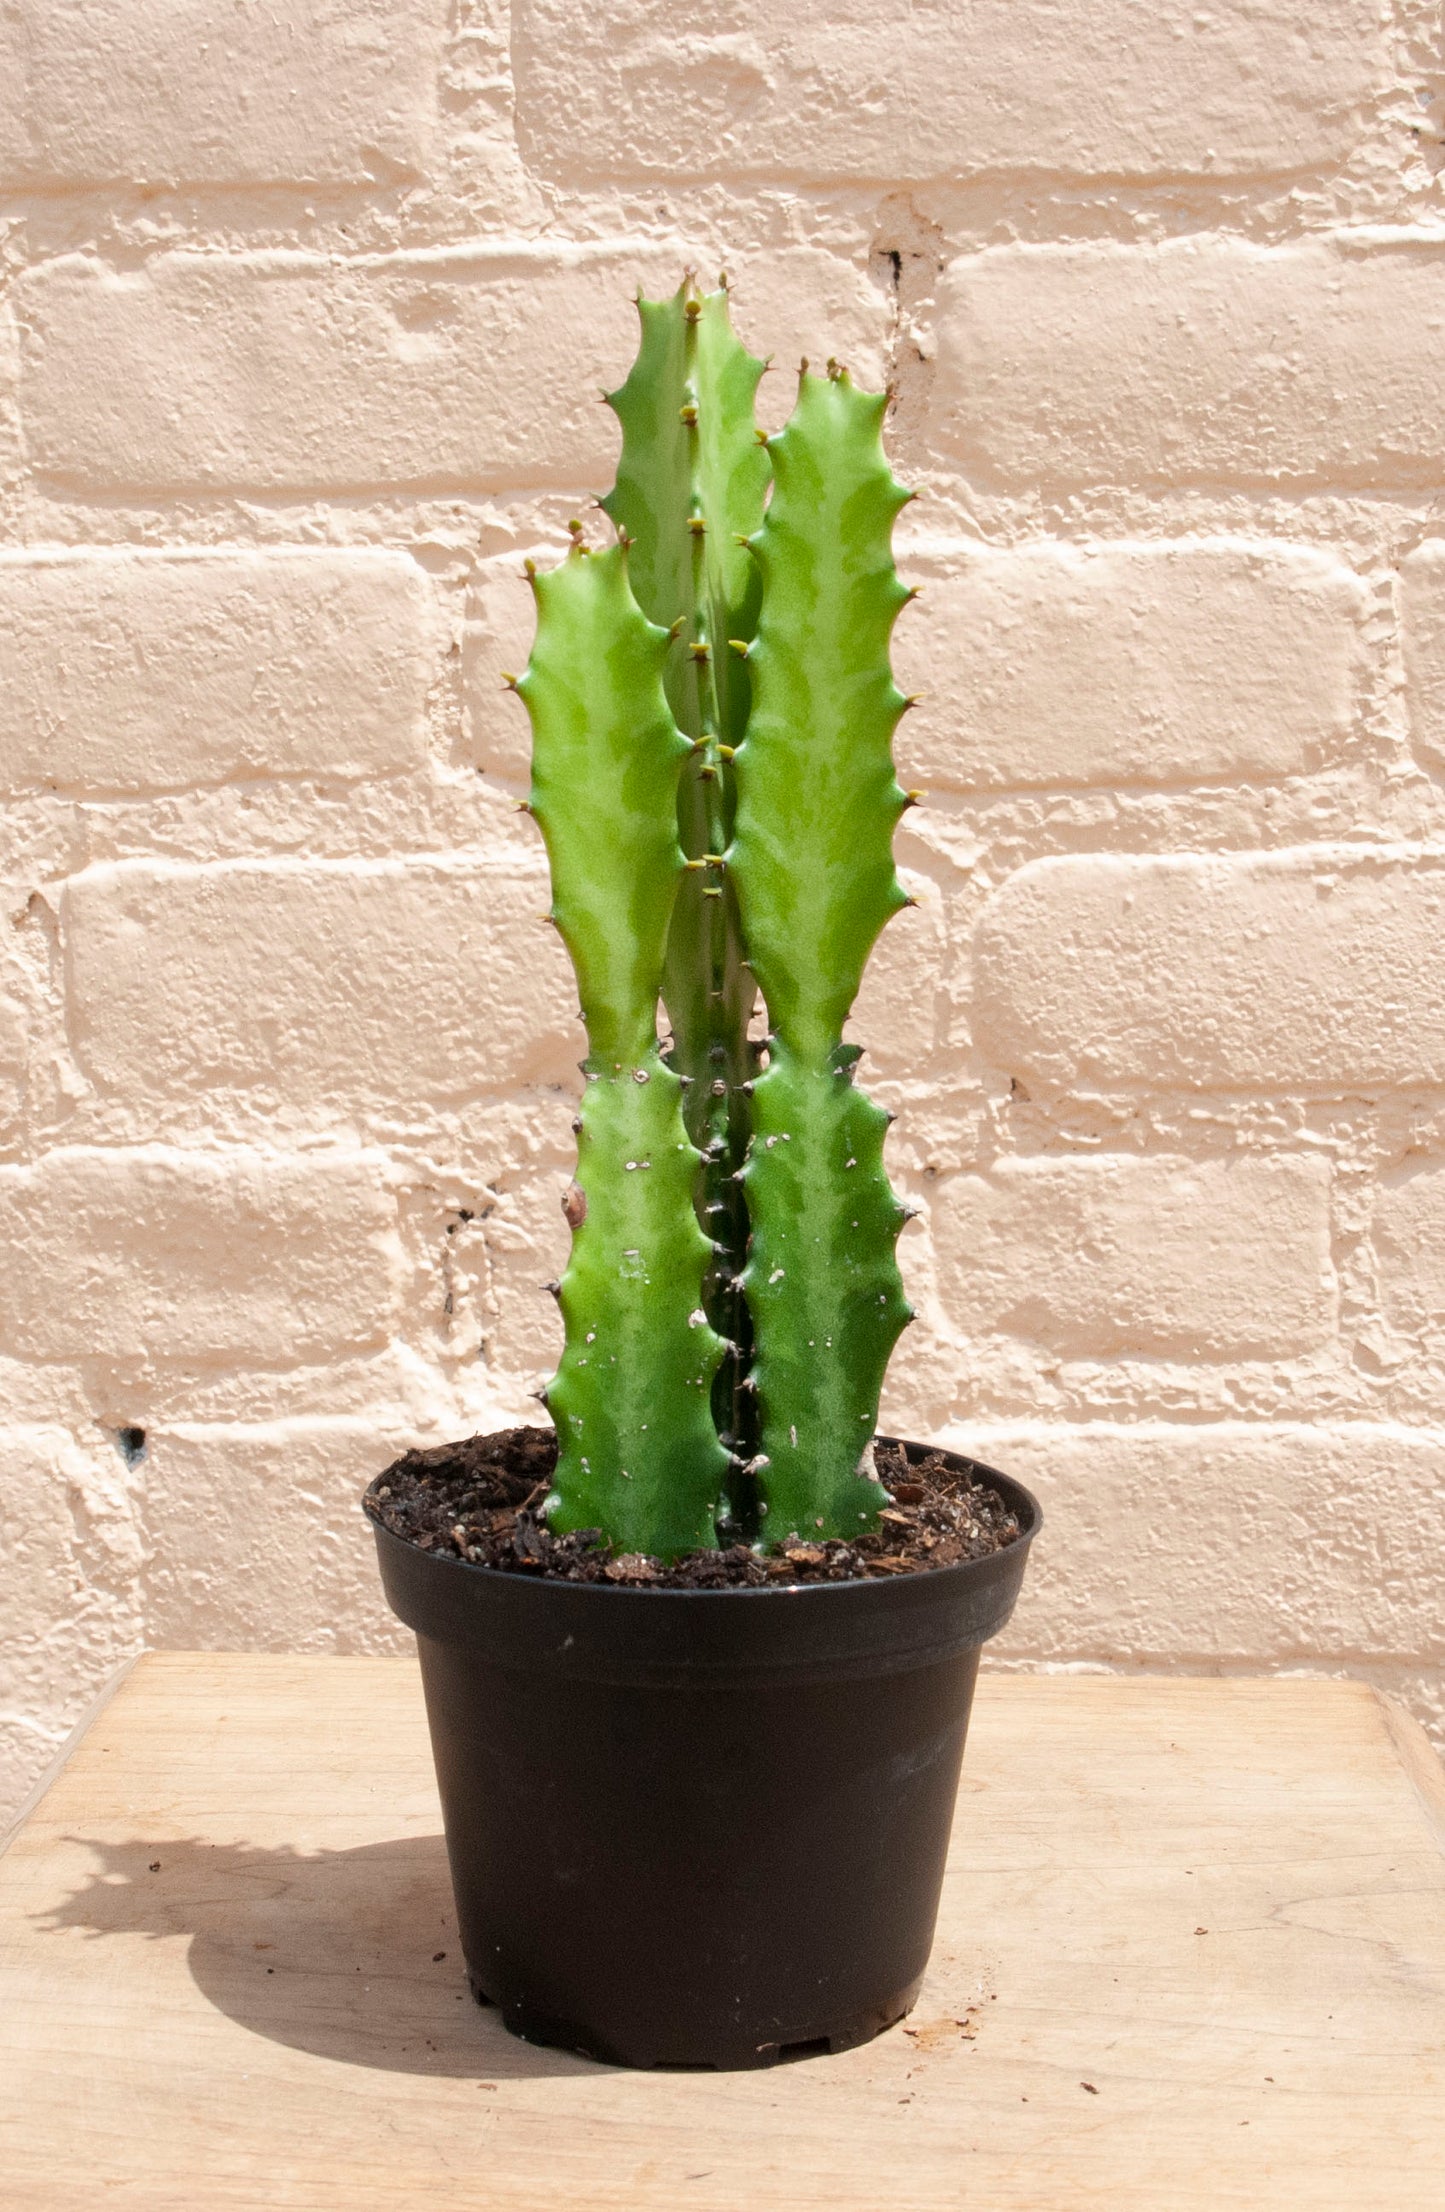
(1192, 1954)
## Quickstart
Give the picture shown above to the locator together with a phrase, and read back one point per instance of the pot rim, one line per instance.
(1014, 1493)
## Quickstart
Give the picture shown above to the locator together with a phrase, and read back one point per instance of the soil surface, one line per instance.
(480, 1500)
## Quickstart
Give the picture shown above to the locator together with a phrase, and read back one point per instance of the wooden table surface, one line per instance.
(1191, 1954)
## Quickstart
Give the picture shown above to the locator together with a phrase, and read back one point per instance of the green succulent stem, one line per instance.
(712, 709)
(812, 862)
(692, 480)
(638, 1452)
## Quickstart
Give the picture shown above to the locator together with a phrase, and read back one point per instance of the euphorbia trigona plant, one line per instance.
(697, 1812)
(712, 711)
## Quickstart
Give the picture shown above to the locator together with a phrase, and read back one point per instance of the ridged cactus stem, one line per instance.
(812, 862)
(713, 709)
(638, 1452)
(691, 482)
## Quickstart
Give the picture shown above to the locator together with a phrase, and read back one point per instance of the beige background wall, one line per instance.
(303, 313)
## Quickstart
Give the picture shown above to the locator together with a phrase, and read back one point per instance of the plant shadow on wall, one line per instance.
(351, 1955)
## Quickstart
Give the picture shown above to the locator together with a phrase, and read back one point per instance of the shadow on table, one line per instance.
(350, 1954)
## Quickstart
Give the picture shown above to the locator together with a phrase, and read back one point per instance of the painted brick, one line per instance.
(525, 1242)
(1205, 359)
(940, 90)
(171, 1256)
(254, 1538)
(902, 1010)
(449, 370)
(1229, 1540)
(1316, 968)
(341, 985)
(14, 95)
(1104, 1256)
(1202, 660)
(1422, 596)
(12, 443)
(1409, 1240)
(139, 671)
(501, 616)
(14, 1040)
(181, 91)
(69, 1592)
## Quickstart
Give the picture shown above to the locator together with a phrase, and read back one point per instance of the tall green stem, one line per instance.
(692, 481)
(812, 861)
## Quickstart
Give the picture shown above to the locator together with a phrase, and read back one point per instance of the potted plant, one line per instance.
(698, 1661)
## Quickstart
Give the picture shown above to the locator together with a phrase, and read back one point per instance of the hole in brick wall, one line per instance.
(131, 1444)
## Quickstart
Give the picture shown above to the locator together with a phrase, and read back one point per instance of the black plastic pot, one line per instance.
(700, 1828)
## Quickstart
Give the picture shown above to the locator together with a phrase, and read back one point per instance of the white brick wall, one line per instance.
(175, 1257)
(133, 671)
(1159, 663)
(1276, 1499)
(183, 91)
(1202, 360)
(1422, 578)
(1318, 968)
(284, 371)
(304, 315)
(321, 987)
(843, 88)
(1118, 1255)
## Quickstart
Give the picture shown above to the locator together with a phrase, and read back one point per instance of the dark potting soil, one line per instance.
(480, 1500)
